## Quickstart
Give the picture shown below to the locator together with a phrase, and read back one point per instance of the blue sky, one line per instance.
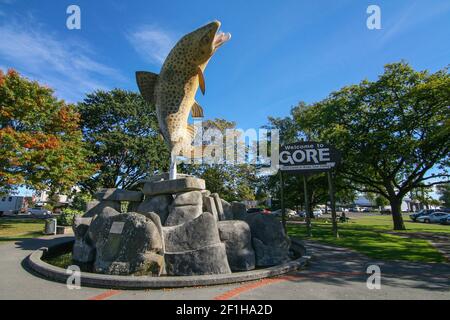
(281, 52)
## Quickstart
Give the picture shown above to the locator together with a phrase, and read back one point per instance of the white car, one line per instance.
(434, 217)
(317, 213)
(39, 212)
(289, 213)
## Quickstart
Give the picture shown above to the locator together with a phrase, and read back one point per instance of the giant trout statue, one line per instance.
(173, 90)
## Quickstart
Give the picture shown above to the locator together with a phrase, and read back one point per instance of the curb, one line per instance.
(36, 264)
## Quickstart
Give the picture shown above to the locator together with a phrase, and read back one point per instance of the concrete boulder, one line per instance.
(80, 227)
(200, 232)
(113, 194)
(96, 207)
(173, 186)
(185, 207)
(227, 210)
(129, 244)
(238, 210)
(194, 248)
(208, 260)
(98, 223)
(238, 243)
(219, 207)
(83, 251)
(209, 205)
(158, 204)
(269, 240)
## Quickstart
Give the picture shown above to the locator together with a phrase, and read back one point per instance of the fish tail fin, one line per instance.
(146, 82)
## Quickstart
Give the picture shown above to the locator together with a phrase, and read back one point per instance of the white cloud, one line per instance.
(152, 43)
(410, 17)
(66, 66)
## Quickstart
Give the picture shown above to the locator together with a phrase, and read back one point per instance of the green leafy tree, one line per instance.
(444, 194)
(122, 131)
(233, 182)
(318, 192)
(391, 131)
(41, 144)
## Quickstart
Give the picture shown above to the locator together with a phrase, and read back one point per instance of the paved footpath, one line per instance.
(333, 273)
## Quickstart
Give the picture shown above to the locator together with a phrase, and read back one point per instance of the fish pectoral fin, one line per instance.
(146, 82)
(201, 80)
(196, 110)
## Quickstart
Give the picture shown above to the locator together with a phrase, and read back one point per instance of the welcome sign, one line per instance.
(304, 157)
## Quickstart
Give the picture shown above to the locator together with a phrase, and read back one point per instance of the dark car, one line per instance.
(258, 210)
(445, 220)
(423, 212)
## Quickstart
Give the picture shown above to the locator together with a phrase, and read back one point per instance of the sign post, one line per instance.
(283, 211)
(332, 205)
(309, 157)
(307, 212)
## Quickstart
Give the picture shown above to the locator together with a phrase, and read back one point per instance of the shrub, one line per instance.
(67, 216)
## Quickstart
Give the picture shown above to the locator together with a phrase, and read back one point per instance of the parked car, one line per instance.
(39, 212)
(289, 213)
(446, 220)
(366, 210)
(258, 210)
(423, 212)
(317, 213)
(434, 217)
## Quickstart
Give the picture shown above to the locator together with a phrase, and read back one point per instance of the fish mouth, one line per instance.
(220, 38)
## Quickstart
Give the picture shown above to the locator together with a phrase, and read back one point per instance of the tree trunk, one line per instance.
(396, 209)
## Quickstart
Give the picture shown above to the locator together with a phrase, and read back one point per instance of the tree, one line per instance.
(424, 196)
(318, 192)
(122, 130)
(41, 144)
(444, 192)
(391, 131)
(377, 199)
(233, 182)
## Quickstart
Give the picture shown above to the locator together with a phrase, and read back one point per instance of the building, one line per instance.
(10, 205)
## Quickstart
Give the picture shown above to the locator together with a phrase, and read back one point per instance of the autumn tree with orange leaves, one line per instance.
(41, 144)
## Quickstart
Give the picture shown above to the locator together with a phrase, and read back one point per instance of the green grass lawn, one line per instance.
(367, 235)
(17, 229)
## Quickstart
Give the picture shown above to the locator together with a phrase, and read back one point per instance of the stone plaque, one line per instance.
(117, 227)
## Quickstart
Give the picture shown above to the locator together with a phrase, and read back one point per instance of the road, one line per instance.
(333, 273)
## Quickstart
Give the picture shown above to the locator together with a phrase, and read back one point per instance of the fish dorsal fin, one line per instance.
(197, 110)
(201, 80)
(146, 82)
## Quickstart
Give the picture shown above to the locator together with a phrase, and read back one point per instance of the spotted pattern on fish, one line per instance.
(175, 88)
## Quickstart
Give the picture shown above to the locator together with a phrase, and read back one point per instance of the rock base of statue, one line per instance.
(175, 228)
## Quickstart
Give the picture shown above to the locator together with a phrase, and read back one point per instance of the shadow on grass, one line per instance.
(21, 237)
(340, 267)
